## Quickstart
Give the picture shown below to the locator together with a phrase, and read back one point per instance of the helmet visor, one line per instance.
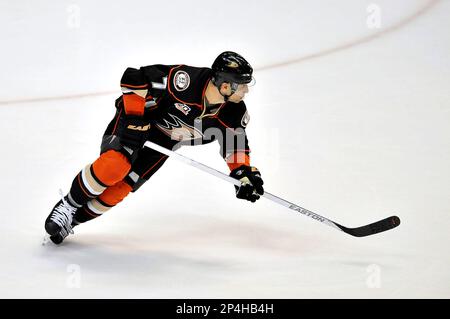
(252, 82)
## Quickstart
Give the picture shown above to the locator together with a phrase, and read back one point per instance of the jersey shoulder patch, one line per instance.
(181, 80)
(186, 83)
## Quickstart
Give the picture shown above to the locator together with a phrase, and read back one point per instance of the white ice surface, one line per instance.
(355, 135)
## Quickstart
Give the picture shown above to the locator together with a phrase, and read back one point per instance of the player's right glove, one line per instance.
(132, 131)
(251, 183)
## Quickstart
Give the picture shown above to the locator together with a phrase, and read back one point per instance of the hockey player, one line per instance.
(170, 105)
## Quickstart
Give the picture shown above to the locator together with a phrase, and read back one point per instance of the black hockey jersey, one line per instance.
(172, 98)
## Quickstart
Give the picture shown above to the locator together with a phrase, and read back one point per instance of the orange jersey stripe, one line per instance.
(134, 86)
(150, 169)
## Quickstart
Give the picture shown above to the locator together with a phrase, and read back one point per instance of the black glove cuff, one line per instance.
(240, 171)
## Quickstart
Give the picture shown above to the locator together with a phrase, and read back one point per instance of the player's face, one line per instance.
(239, 94)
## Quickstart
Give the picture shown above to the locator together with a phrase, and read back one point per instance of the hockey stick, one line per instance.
(377, 227)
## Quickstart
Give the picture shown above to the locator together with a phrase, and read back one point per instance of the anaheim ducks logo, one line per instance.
(181, 81)
(177, 130)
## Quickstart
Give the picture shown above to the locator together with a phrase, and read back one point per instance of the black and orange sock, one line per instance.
(110, 168)
(108, 199)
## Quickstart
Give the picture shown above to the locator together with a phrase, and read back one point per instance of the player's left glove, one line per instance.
(251, 183)
(132, 131)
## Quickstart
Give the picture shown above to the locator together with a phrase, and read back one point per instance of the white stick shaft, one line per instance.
(236, 182)
(191, 162)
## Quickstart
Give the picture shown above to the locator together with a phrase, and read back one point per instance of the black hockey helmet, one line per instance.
(232, 68)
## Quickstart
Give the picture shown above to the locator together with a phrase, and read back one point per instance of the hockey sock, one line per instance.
(108, 199)
(110, 168)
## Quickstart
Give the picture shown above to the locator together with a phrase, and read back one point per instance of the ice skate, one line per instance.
(60, 222)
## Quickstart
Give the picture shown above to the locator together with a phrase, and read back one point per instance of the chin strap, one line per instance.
(234, 87)
(225, 97)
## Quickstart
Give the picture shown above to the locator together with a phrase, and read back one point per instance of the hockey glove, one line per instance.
(133, 131)
(251, 183)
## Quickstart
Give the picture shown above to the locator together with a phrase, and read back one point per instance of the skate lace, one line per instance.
(63, 216)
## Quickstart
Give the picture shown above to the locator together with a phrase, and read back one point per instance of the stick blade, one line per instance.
(374, 228)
